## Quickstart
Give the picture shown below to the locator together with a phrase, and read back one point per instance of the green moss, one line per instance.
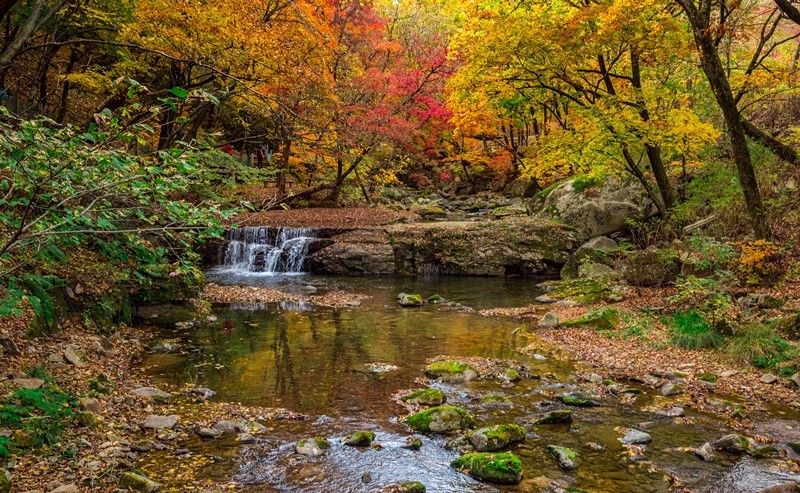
(603, 319)
(320, 442)
(578, 400)
(448, 368)
(441, 418)
(584, 182)
(495, 399)
(502, 468)
(413, 443)
(436, 299)
(583, 290)
(410, 487)
(497, 437)
(425, 397)
(511, 374)
(361, 438)
(708, 377)
(565, 456)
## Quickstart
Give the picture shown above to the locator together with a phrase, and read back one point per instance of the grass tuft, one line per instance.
(690, 330)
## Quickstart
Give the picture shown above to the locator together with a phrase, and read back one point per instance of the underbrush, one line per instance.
(761, 346)
(690, 330)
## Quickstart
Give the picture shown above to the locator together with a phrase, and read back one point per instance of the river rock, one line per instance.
(636, 437)
(312, 447)
(769, 378)
(151, 393)
(501, 468)
(673, 412)
(138, 482)
(578, 400)
(27, 383)
(705, 452)
(732, 443)
(557, 417)
(496, 401)
(412, 443)
(607, 210)
(407, 487)
(548, 321)
(425, 397)
(451, 371)
(564, 456)
(209, 432)
(202, 393)
(245, 438)
(497, 437)
(441, 419)
(671, 388)
(409, 300)
(156, 422)
(361, 438)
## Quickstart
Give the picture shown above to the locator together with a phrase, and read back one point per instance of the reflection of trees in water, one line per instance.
(285, 379)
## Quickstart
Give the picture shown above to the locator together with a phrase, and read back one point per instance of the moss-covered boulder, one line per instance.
(558, 417)
(603, 319)
(501, 468)
(312, 447)
(412, 443)
(451, 371)
(409, 300)
(406, 487)
(563, 455)
(361, 438)
(435, 299)
(441, 419)
(578, 400)
(497, 437)
(136, 481)
(425, 397)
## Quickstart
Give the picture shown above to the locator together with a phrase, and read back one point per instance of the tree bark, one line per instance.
(777, 147)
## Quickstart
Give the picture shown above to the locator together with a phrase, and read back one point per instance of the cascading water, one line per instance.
(266, 250)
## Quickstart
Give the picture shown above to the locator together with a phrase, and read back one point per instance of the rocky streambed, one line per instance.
(382, 396)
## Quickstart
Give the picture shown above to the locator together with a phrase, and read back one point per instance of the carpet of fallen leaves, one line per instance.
(337, 218)
(219, 293)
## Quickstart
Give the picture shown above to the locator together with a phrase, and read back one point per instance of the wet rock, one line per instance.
(501, 468)
(156, 422)
(636, 437)
(557, 417)
(510, 375)
(425, 397)
(578, 400)
(769, 378)
(27, 383)
(436, 299)
(232, 427)
(496, 401)
(543, 298)
(209, 433)
(312, 447)
(732, 443)
(151, 393)
(245, 438)
(673, 412)
(138, 482)
(548, 321)
(165, 346)
(361, 438)
(441, 419)
(409, 300)
(72, 356)
(564, 456)
(407, 487)
(202, 393)
(451, 371)
(412, 443)
(494, 438)
(671, 388)
(705, 452)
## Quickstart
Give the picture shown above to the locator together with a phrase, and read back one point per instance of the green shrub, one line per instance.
(704, 295)
(761, 346)
(690, 330)
(41, 414)
(708, 255)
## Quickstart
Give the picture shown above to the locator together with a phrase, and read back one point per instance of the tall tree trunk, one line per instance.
(284, 166)
(166, 132)
(715, 73)
(74, 55)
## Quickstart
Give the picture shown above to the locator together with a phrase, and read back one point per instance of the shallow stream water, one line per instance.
(316, 361)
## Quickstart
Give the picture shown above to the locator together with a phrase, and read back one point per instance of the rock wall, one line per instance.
(519, 246)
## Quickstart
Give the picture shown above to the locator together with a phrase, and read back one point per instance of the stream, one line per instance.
(319, 362)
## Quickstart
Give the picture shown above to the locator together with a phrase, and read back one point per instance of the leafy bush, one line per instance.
(761, 346)
(704, 295)
(758, 261)
(690, 330)
(708, 255)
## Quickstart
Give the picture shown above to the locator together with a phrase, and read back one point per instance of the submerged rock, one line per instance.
(312, 447)
(412, 443)
(548, 321)
(496, 401)
(451, 371)
(409, 300)
(578, 400)
(673, 412)
(441, 419)
(636, 437)
(501, 468)
(407, 487)
(425, 397)
(361, 438)
(138, 482)
(557, 417)
(563, 455)
(497, 437)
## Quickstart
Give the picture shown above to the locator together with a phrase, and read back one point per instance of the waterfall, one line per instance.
(266, 250)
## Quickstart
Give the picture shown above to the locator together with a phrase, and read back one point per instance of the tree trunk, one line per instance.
(777, 147)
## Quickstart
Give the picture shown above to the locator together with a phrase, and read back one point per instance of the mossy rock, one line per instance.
(361, 438)
(425, 397)
(708, 377)
(413, 443)
(603, 319)
(409, 300)
(136, 481)
(314, 446)
(500, 468)
(558, 417)
(451, 371)
(407, 487)
(497, 437)
(436, 299)
(511, 375)
(578, 400)
(441, 419)
(496, 401)
(565, 456)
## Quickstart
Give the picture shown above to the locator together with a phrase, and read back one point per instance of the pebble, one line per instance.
(636, 437)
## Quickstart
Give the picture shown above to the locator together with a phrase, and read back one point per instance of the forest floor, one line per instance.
(343, 217)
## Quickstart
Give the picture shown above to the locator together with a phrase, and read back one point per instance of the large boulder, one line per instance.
(598, 250)
(503, 468)
(361, 251)
(594, 209)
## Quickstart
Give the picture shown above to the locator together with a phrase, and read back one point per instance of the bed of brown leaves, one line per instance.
(218, 293)
(337, 218)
